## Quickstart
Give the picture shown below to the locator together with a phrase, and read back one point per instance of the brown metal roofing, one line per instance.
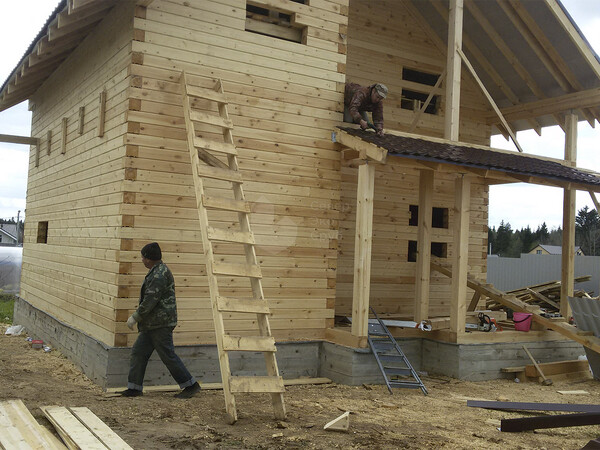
(463, 155)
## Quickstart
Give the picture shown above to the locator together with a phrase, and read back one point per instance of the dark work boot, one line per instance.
(189, 391)
(130, 393)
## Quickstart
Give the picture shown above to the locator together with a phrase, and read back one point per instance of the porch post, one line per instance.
(460, 259)
(568, 237)
(423, 275)
(362, 249)
(453, 66)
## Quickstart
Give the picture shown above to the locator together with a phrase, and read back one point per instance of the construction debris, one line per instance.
(544, 295)
(341, 423)
(545, 381)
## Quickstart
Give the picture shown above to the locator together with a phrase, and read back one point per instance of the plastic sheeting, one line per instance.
(10, 269)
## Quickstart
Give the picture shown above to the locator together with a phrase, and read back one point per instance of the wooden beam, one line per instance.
(512, 302)
(367, 151)
(419, 113)
(489, 98)
(63, 138)
(595, 200)
(101, 113)
(568, 236)
(362, 250)
(458, 307)
(583, 99)
(13, 139)
(453, 67)
(423, 277)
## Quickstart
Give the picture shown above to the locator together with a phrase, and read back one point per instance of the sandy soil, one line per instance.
(407, 419)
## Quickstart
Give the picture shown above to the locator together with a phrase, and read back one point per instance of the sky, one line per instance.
(518, 204)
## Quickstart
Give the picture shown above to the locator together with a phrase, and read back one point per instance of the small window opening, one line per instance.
(439, 218)
(413, 99)
(439, 249)
(42, 233)
(270, 22)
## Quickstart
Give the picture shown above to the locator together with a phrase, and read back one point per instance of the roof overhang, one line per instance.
(530, 55)
(70, 23)
(494, 165)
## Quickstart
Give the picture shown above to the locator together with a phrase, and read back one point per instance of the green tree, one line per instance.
(587, 231)
(503, 239)
(542, 234)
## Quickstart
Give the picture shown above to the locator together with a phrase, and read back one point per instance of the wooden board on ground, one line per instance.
(214, 386)
(80, 428)
(20, 430)
(559, 367)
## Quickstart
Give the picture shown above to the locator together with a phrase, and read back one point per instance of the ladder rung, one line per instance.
(221, 234)
(217, 173)
(238, 270)
(226, 204)
(248, 343)
(256, 384)
(405, 371)
(242, 305)
(215, 146)
(208, 94)
(210, 119)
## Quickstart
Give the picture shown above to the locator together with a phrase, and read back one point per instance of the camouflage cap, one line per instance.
(381, 89)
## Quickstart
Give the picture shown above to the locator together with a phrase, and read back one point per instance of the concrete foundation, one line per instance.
(108, 366)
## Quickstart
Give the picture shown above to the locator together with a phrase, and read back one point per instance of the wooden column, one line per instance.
(460, 259)
(453, 66)
(423, 277)
(568, 237)
(362, 249)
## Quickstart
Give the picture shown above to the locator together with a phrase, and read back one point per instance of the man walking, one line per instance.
(156, 317)
(358, 100)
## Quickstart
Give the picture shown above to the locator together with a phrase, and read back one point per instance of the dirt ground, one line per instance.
(406, 420)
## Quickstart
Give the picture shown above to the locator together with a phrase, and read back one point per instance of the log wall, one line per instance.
(76, 185)
(392, 275)
(285, 99)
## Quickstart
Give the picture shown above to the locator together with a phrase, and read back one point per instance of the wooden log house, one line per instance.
(338, 222)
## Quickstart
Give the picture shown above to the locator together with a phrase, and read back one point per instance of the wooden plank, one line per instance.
(568, 235)
(362, 249)
(101, 113)
(12, 139)
(468, 64)
(242, 305)
(19, 429)
(63, 136)
(452, 111)
(237, 270)
(248, 343)
(210, 119)
(555, 368)
(207, 94)
(226, 204)
(225, 235)
(458, 307)
(216, 173)
(215, 146)
(102, 431)
(423, 278)
(71, 430)
(366, 150)
(256, 384)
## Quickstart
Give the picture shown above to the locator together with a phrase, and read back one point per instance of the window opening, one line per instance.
(413, 99)
(270, 22)
(42, 233)
(438, 249)
(439, 217)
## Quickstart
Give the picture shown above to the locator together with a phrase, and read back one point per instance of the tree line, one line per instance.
(504, 241)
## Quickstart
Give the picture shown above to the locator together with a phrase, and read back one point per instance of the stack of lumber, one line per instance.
(79, 428)
(544, 295)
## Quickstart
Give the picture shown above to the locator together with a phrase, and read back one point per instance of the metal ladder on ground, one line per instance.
(391, 360)
(213, 157)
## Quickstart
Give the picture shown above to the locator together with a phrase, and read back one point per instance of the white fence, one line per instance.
(10, 269)
(507, 274)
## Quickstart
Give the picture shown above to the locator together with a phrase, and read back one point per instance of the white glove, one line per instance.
(131, 322)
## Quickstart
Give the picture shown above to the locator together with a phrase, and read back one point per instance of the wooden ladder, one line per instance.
(214, 160)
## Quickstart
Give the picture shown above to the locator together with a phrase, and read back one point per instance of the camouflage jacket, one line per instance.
(157, 307)
(358, 99)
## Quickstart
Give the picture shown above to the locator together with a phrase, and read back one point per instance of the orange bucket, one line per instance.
(522, 321)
